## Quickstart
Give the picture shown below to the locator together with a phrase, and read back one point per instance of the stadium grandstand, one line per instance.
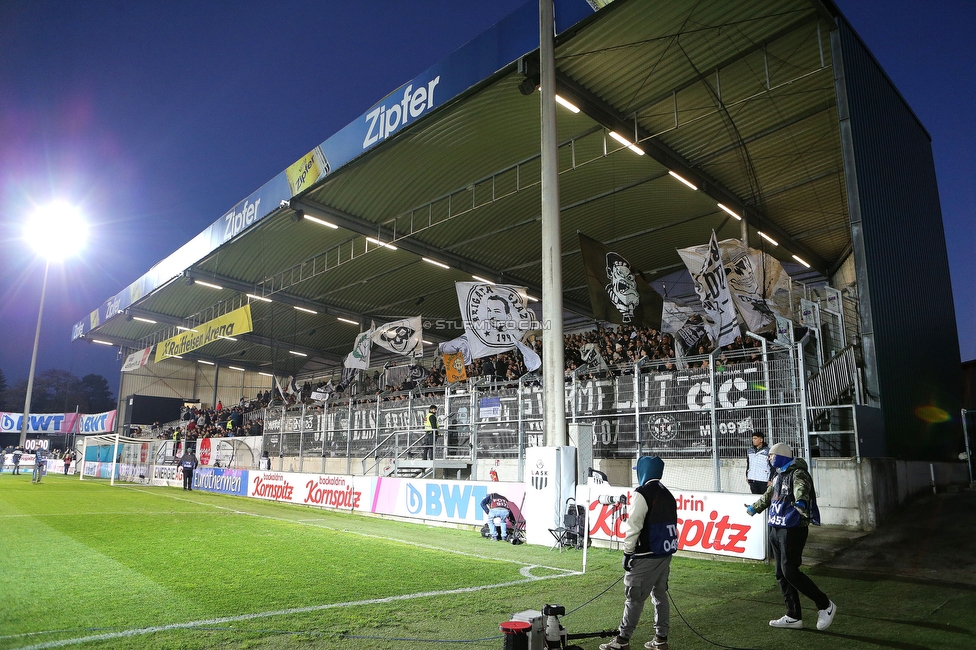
(328, 310)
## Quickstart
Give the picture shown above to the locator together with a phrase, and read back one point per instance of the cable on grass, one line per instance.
(697, 633)
(612, 585)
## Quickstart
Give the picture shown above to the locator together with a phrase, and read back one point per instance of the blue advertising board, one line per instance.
(221, 479)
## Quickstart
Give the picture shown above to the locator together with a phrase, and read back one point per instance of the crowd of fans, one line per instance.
(623, 350)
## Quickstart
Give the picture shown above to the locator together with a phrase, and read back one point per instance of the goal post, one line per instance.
(118, 458)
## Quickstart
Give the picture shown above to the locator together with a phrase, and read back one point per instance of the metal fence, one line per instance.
(700, 413)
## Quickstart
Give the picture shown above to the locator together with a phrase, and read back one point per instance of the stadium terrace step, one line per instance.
(825, 542)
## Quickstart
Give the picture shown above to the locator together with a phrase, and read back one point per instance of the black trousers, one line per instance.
(758, 487)
(187, 479)
(787, 545)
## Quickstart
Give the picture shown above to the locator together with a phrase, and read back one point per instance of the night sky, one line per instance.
(156, 118)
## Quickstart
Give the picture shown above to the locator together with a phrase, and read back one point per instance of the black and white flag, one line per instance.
(359, 357)
(708, 273)
(618, 292)
(404, 336)
(496, 317)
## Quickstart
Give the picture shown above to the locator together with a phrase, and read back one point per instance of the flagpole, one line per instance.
(553, 364)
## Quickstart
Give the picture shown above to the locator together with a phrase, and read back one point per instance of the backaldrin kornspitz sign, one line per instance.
(231, 323)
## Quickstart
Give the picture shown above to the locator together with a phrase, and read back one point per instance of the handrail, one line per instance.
(374, 450)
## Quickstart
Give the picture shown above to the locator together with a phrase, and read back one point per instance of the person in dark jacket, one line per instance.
(188, 463)
(792, 503)
(757, 464)
(651, 539)
(496, 505)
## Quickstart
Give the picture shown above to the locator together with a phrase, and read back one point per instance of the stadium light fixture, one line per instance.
(205, 362)
(531, 298)
(729, 210)
(209, 285)
(185, 329)
(229, 338)
(373, 240)
(297, 353)
(236, 368)
(55, 232)
(683, 180)
(101, 342)
(254, 296)
(801, 261)
(428, 342)
(627, 143)
(347, 320)
(265, 374)
(435, 263)
(481, 279)
(321, 222)
(768, 238)
(306, 310)
(144, 320)
(573, 108)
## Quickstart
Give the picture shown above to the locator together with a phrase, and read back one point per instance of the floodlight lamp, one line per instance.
(56, 231)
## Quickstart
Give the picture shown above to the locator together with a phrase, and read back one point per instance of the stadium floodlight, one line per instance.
(627, 143)
(683, 179)
(306, 310)
(209, 285)
(254, 296)
(729, 210)
(801, 261)
(347, 320)
(55, 232)
(297, 353)
(768, 238)
(573, 108)
(101, 342)
(481, 279)
(144, 320)
(377, 242)
(435, 263)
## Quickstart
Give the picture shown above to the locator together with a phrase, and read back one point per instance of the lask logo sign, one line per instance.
(540, 475)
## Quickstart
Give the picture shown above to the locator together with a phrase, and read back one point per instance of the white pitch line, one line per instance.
(281, 612)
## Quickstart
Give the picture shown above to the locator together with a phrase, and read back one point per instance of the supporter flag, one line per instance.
(404, 336)
(418, 373)
(618, 292)
(708, 273)
(359, 357)
(495, 316)
(137, 359)
(685, 324)
(322, 393)
(348, 376)
(460, 344)
(454, 367)
(590, 354)
(532, 360)
(759, 286)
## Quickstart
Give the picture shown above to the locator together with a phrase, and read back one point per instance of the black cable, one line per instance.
(697, 633)
(612, 584)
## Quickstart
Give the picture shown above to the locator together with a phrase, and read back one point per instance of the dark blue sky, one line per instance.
(158, 117)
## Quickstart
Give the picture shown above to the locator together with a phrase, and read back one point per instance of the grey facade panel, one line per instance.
(903, 275)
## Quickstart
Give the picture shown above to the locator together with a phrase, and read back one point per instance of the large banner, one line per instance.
(708, 522)
(358, 358)
(708, 272)
(404, 336)
(221, 480)
(618, 292)
(231, 323)
(495, 316)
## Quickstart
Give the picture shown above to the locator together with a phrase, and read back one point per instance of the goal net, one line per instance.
(118, 458)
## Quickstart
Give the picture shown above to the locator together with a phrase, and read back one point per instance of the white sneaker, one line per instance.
(826, 616)
(787, 622)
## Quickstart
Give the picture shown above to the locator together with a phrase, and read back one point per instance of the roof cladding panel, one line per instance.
(738, 92)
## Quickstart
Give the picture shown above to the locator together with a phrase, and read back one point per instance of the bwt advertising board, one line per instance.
(708, 522)
(456, 502)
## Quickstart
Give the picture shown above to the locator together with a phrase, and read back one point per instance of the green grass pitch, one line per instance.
(89, 565)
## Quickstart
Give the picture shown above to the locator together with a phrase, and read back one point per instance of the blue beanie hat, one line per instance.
(649, 468)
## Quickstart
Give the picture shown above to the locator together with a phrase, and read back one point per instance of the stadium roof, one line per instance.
(735, 96)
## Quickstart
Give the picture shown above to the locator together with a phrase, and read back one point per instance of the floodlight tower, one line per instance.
(55, 232)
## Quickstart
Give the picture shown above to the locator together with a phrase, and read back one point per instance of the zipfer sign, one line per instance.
(231, 323)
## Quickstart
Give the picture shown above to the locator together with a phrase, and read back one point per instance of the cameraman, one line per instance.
(651, 540)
